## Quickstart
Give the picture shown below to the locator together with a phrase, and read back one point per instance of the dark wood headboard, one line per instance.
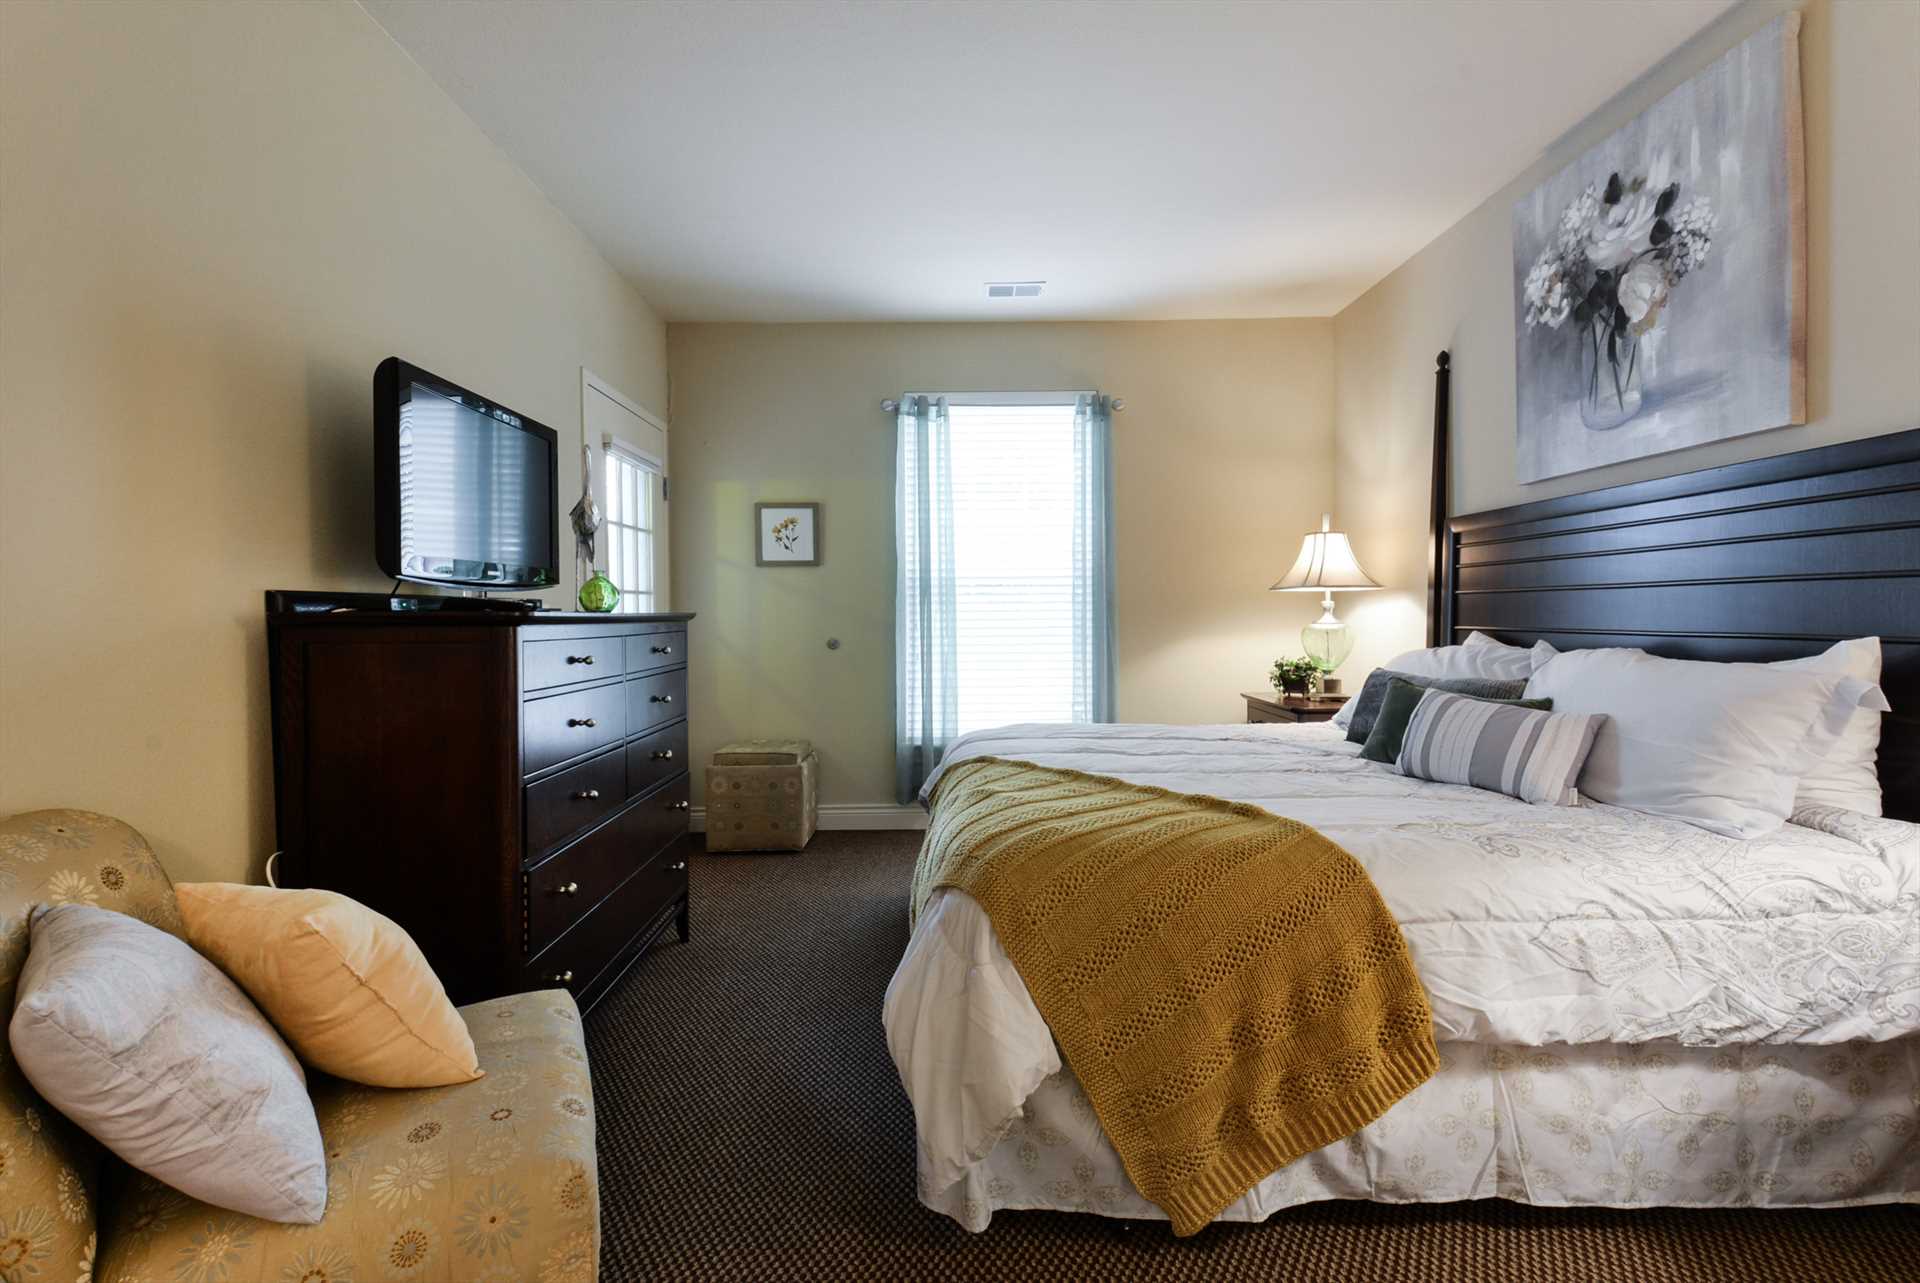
(1771, 559)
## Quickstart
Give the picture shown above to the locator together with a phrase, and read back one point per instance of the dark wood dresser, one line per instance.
(511, 789)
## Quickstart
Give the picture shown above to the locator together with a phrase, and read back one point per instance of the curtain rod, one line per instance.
(889, 405)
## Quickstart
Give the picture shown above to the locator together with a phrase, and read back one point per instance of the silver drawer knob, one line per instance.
(587, 795)
(587, 722)
(663, 650)
(580, 659)
(680, 866)
(679, 806)
(661, 699)
(567, 888)
(560, 978)
(663, 755)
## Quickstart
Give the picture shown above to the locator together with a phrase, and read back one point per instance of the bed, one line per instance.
(1630, 1010)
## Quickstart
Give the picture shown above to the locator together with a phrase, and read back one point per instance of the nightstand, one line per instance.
(1270, 706)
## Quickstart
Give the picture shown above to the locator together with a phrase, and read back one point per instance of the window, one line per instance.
(633, 490)
(631, 517)
(1013, 565)
(1003, 596)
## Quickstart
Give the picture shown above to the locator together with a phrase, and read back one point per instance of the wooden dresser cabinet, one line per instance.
(511, 789)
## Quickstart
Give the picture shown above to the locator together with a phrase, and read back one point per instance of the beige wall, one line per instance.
(214, 222)
(1861, 82)
(1221, 461)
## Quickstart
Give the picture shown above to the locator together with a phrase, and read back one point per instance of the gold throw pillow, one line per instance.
(347, 988)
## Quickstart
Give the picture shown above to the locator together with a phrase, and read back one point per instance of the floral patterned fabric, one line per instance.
(1596, 1124)
(484, 1182)
(488, 1180)
(50, 1171)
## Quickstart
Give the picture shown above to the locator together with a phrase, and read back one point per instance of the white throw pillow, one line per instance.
(1484, 658)
(1722, 746)
(146, 1047)
(1849, 775)
(1537, 654)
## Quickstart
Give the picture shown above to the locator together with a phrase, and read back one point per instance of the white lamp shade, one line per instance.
(1326, 562)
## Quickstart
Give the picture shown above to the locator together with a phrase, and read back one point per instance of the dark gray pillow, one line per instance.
(1366, 705)
(1396, 710)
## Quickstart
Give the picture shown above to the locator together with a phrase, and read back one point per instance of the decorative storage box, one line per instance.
(762, 795)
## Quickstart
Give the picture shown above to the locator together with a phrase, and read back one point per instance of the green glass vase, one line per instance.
(599, 595)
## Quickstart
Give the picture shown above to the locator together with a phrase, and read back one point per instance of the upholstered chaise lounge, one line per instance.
(493, 1179)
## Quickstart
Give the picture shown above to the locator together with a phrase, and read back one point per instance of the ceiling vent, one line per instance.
(1014, 289)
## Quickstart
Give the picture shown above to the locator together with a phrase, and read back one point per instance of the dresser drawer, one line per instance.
(603, 930)
(565, 889)
(656, 699)
(651, 652)
(660, 756)
(577, 959)
(576, 798)
(665, 811)
(560, 663)
(559, 727)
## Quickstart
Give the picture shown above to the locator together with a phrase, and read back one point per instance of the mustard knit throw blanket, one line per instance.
(1227, 985)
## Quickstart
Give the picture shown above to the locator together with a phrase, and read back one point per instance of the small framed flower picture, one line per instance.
(786, 534)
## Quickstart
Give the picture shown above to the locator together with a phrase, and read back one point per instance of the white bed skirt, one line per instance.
(1597, 1124)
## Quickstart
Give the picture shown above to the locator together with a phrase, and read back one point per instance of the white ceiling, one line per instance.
(823, 160)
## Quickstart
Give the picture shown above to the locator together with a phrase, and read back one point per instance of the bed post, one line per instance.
(1439, 569)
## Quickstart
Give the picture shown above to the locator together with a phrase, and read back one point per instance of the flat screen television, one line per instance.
(465, 490)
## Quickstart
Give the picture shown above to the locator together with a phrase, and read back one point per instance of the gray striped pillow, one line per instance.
(1523, 752)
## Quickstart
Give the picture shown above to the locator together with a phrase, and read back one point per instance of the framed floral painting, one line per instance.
(787, 534)
(1661, 280)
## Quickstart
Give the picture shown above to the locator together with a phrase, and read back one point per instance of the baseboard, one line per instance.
(847, 815)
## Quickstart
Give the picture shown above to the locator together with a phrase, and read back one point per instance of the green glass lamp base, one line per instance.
(1326, 640)
(599, 595)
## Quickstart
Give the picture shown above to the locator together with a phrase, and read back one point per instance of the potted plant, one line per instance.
(1294, 676)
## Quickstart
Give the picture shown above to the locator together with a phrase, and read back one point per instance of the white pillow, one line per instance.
(1848, 776)
(1722, 746)
(1537, 654)
(1482, 658)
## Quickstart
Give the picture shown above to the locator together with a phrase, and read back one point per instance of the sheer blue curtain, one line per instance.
(1093, 666)
(1004, 534)
(926, 651)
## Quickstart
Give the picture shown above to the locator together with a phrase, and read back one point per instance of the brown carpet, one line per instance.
(752, 1127)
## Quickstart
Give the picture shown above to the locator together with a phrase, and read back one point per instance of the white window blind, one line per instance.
(1004, 590)
(1013, 564)
(632, 519)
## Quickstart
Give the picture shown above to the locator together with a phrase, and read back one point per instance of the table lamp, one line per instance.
(1326, 563)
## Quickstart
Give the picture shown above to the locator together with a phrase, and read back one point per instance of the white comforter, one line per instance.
(1529, 925)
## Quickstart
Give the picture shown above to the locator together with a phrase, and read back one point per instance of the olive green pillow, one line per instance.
(1396, 710)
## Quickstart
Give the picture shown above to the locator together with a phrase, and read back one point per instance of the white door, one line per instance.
(628, 445)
